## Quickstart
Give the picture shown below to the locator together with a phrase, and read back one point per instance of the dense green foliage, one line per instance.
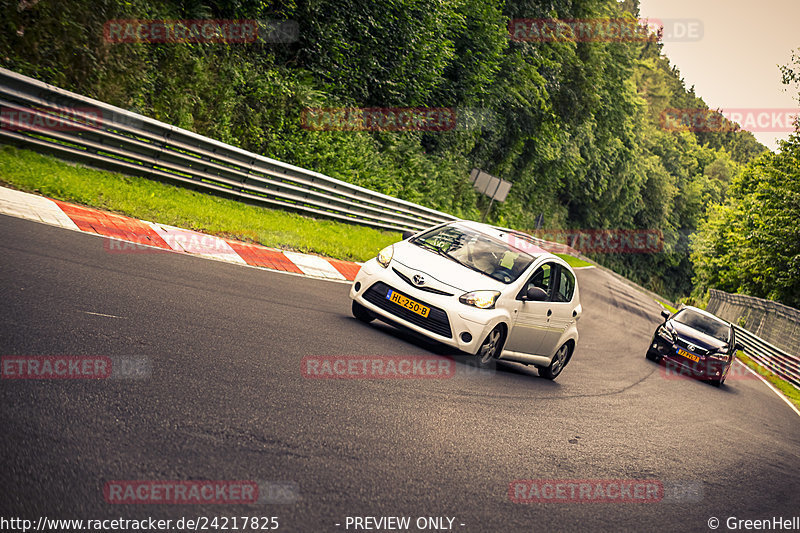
(751, 242)
(575, 126)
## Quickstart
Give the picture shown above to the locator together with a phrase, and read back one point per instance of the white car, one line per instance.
(491, 292)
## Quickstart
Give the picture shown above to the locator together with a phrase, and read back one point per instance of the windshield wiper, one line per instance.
(439, 251)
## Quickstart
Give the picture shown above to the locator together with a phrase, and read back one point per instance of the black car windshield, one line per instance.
(704, 324)
(476, 251)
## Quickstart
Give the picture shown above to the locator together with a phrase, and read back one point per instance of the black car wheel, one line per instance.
(362, 313)
(560, 360)
(653, 355)
(491, 347)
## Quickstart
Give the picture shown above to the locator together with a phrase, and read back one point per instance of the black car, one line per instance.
(695, 343)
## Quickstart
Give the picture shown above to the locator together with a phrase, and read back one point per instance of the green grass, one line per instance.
(159, 202)
(788, 390)
(667, 306)
(573, 261)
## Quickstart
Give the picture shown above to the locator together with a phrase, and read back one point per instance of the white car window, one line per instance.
(542, 278)
(566, 286)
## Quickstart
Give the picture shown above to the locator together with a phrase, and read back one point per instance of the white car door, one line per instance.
(560, 310)
(531, 323)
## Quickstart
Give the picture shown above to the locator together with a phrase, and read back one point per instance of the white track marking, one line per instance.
(195, 243)
(29, 206)
(314, 266)
(771, 386)
(101, 314)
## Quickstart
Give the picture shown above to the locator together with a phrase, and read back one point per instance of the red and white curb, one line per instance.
(36, 208)
(130, 235)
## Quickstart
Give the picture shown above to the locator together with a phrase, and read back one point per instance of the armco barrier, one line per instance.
(785, 365)
(771, 332)
(45, 118)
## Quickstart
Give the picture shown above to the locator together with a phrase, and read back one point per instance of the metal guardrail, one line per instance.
(785, 365)
(45, 118)
(772, 321)
(763, 324)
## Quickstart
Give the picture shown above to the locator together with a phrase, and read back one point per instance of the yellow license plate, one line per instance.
(408, 303)
(688, 355)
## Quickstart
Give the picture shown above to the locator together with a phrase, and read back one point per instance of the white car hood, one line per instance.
(442, 269)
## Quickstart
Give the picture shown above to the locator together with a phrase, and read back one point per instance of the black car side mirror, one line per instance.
(665, 314)
(534, 294)
(408, 234)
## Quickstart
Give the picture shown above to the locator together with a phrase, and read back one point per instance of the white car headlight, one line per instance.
(480, 299)
(385, 256)
(665, 334)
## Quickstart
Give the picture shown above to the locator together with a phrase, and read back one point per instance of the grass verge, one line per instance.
(787, 389)
(167, 204)
(573, 261)
(159, 202)
(667, 306)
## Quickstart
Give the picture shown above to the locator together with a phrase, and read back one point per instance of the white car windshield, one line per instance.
(704, 324)
(476, 251)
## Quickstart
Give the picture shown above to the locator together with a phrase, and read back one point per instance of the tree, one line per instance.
(751, 243)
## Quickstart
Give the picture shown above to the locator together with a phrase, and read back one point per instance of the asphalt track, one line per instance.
(225, 400)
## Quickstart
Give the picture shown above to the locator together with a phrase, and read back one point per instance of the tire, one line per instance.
(653, 356)
(491, 347)
(560, 360)
(362, 313)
